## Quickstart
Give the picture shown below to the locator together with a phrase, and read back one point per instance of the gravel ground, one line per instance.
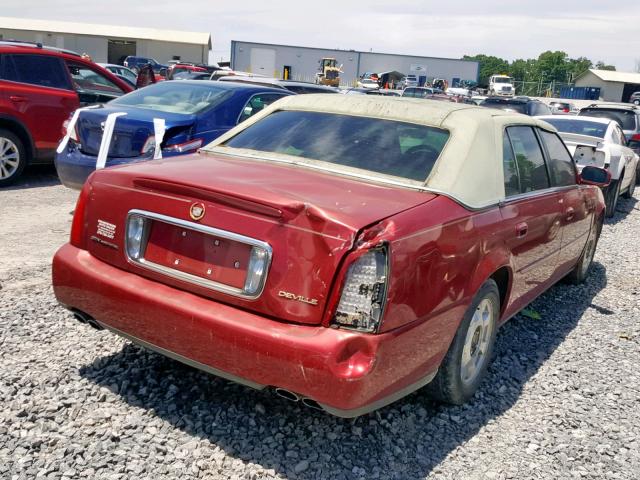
(561, 399)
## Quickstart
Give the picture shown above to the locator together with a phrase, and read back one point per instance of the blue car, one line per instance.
(194, 114)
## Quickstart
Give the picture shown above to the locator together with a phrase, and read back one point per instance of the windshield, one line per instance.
(580, 127)
(625, 118)
(382, 146)
(502, 80)
(176, 97)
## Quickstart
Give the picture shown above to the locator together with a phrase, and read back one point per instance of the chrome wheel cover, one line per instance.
(477, 342)
(9, 158)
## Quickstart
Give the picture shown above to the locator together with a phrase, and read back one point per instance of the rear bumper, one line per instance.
(74, 167)
(347, 373)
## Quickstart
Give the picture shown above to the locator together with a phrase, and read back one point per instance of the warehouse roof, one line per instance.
(196, 38)
(613, 76)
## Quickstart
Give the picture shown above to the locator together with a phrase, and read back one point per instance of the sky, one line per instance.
(596, 29)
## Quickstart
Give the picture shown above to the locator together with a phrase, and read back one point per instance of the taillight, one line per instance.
(364, 292)
(190, 146)
(73, 135)
(149, 146)
(77, 237)
(635, 138)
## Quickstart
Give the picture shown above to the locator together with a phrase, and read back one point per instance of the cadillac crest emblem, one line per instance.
(196, 212)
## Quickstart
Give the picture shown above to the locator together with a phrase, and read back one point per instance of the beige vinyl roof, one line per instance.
(469, 168)
(78, 28)
(613, 76)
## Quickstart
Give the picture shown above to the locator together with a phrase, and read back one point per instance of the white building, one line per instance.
(108, 43)
(614, 86)
(302, 63)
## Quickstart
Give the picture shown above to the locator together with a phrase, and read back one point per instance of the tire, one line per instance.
(611, 196)
(632, 186)
(469, 355)
(581, 271)
(636, 102)
(13, 157)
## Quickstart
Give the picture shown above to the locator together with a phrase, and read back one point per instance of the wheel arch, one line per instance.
(497, 266)
(16, 126)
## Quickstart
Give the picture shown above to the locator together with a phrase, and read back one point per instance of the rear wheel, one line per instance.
(611, 197)
(466, 362)
(581, 271)
(13, 157)
(636, 102)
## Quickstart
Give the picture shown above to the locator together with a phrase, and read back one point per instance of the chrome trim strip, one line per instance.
(194, 279)
(185, 360)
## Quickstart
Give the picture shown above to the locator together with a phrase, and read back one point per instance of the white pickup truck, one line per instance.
(501, 85)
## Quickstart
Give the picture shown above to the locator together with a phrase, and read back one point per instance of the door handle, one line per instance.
(521, 229)
(570, 213)
(17, 98)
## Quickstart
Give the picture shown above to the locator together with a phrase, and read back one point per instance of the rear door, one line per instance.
(531, 212)
(39, 94)
(576, 211)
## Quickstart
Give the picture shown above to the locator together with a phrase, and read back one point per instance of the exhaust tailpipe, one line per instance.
(307, 402)
(86, 318)
(292, 397)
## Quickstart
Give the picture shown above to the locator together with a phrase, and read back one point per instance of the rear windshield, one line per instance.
(580, 127)
(383, 146)
(176, 97)
(518, 107)
(625, 118)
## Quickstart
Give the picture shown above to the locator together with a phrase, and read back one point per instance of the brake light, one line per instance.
(149, 146)
(78, 226)
(74, 134)
(364, 292)
(190, 146)
(635, 138)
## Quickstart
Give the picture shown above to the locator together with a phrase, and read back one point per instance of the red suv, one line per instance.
(39, 89)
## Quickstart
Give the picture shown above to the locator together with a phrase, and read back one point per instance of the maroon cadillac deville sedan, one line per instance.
(343, 251)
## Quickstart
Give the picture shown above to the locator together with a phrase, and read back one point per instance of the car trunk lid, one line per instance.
(131, 131)
(309, 220)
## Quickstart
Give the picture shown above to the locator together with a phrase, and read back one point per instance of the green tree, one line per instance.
(577, 66)
(489, 65)
(552, 66)
(600, 65)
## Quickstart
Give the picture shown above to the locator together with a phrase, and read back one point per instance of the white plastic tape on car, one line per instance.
(71, 126)
(158, 129)
(109, 125)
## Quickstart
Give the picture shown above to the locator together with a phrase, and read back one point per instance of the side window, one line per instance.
(409, 92)
(41, 70)
(257, 103)
(87, 81)
(511, 179)
(561, 166)
(541, 109)
(529, 159)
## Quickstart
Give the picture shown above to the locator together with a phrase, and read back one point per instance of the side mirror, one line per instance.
(595, 176)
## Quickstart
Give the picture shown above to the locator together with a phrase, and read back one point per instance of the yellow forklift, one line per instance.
(329, 72)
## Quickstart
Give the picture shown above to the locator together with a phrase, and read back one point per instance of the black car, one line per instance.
(135, 63)
(526, 105)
